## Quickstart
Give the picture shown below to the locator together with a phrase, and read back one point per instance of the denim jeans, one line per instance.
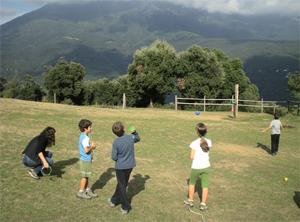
(37, 166)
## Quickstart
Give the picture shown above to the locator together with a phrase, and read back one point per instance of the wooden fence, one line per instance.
(235, 104)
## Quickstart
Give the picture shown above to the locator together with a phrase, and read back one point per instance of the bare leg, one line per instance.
(83, 183)
(204, 195)
(191, 192)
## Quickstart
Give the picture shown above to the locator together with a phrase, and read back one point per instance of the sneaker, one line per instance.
(203, 206)
(83, 195)
(124, 211)
(33, 174)
(111, 204)
(188, 202)
(91, 193)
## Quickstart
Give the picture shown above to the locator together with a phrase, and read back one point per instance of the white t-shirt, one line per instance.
(275, 126)
(201, 159)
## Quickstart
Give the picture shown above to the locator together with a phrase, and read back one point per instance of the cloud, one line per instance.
(245, 6)
(8, 11)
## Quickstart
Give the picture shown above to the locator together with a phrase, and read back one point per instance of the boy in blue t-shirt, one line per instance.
(123, 155)
(85, 151)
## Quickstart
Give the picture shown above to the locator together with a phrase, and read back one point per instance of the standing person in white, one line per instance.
(276, 128)
(200, 166)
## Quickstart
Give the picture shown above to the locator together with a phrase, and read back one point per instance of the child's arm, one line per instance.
(135, 136)
(114, 153)
(88, 149)
(266, 129)
(44, 161)
(192, 154)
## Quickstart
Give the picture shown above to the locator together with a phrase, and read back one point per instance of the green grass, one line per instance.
(246, 183)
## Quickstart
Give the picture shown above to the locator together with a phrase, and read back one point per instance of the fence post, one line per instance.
(124, 101)
(232, 103)
(204, 109)
(274, 109)
(54, 97)
(176, 102)
(236, 103)
(262, 105)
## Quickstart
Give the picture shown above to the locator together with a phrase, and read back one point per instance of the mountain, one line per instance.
(103, 36)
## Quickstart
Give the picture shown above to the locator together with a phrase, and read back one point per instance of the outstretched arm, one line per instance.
(266, 129)
(135, 137)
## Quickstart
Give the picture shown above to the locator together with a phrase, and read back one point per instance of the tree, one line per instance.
(151, 74)
(10, 90)
(199, 73)
(294, 84)
(3, 83)
(28, 89)
(65, 79)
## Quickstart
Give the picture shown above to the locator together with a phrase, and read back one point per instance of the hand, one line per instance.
(94, 145)
(45, 164)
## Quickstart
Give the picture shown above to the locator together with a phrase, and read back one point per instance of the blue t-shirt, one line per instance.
(84, 141)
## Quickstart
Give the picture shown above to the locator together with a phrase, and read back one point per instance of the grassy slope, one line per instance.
(246, 183)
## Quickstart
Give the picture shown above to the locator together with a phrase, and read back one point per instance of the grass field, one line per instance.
(246, 183)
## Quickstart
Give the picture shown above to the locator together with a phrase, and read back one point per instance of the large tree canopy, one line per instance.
(294, 85)
(199, 73)
(65, 79)
(151, 74)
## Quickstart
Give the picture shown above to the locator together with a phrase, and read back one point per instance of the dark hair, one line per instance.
(118, 129)
(84, 124)
(276, 116)
(201, 131)
(49, 133)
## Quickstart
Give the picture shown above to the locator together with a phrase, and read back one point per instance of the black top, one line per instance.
(35, 146)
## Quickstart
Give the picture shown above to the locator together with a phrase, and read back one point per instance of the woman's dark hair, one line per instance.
(201, 131)
(118, 129)
(276, 116)
(84, 124)
(49, 133)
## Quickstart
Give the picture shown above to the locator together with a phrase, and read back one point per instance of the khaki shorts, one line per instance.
(85, 168)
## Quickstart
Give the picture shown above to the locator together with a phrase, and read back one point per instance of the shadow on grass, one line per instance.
(297, 198)
(264, 147)
(103, 179)
(136, 185)
(60, 165)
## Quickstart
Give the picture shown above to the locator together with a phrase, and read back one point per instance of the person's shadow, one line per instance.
(264, 147)
(60, 165)
(136, 185)
(103, 179)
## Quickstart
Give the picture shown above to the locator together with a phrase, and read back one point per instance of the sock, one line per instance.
(80, 191)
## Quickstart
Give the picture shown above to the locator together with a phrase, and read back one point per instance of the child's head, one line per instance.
(118, 129)
(201, 129)
(49, 133)
(276, 116)
(84, 125)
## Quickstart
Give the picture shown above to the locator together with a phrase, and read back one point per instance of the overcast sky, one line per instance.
(11, 9)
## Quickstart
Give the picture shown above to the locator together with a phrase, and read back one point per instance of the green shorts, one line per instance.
(85, 168)
(202, 174)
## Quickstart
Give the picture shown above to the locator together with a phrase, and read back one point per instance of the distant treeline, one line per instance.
(155, 71)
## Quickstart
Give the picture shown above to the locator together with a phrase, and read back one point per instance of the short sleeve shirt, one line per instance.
(201, 159)
(275, 126)
(84, 141)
